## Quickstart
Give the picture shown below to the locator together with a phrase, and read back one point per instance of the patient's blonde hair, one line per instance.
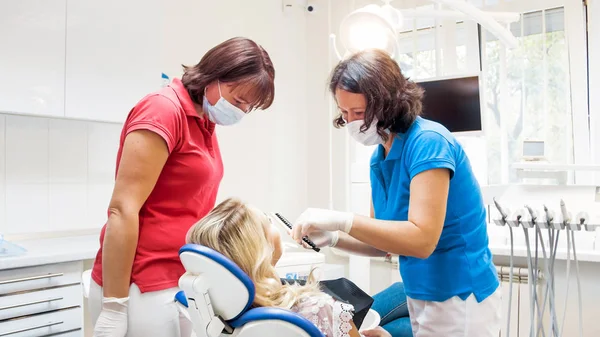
(237, 231)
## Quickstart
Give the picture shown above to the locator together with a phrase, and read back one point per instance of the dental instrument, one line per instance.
(529, 218)
(534, 223)
(288, 224)
(503, 221)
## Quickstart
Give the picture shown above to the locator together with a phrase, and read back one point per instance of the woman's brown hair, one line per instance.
(393, 100)
(239, 61)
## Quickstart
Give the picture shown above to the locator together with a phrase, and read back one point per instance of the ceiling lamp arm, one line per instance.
(333, 40)
(483, 19)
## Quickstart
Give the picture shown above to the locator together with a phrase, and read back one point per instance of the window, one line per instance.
(527, 94)
(526, 91)
(418, 61)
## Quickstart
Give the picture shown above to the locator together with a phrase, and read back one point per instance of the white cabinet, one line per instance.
(32, 56)
(44, 300)
(113, 56)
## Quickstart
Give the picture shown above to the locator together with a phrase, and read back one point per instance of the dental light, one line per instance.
(372, 26)
(375, 26)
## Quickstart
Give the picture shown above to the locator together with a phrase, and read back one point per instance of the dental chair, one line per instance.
(218, 296)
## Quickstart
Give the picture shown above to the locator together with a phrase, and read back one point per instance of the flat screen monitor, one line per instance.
(453, 102)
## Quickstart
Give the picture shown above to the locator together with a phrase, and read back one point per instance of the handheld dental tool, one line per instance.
(504, 216)
(288, 224)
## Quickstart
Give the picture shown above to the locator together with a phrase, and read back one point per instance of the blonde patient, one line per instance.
(246, 236)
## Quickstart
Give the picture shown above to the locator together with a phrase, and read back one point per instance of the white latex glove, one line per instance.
(322, 239)
(321, 220)
(112, 321)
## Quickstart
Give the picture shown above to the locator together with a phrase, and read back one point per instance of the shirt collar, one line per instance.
(184, 98)
(395, 152)
(188, 105)
(397, 146)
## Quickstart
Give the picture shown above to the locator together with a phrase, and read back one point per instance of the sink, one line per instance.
(8, 249)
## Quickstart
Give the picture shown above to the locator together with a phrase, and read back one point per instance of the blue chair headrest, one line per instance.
(261, 314)
(231, 290)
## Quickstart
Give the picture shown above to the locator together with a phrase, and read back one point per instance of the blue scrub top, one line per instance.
(461, 264)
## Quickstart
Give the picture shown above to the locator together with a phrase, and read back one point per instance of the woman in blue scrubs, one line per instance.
(426, 207)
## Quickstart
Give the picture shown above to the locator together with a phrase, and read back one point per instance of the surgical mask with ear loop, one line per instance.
(369, 137)
(223, 112)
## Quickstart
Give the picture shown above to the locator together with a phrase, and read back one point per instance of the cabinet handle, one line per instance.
(30, 278)
(47, 325)
(31, 303)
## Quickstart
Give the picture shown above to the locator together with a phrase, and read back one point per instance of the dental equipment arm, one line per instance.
(504, 216)
(569, 227)
(529, 218)
(521, 220)
(534, 223)
(502, 211)
(566, 215)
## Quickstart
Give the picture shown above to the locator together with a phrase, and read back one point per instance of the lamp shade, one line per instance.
(369, 27)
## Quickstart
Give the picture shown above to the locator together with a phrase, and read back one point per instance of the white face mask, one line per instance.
(223, 112)
(369, 137)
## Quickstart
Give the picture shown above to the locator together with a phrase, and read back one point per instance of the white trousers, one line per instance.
(149, 314)
(457, 318)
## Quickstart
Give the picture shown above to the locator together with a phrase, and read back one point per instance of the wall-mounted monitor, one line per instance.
(453, 102)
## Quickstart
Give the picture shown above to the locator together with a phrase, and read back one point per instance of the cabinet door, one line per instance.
(113, 56)
(32, 56)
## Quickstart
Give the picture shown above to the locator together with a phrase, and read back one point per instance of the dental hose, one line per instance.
(504, 215)
(549, 267)
(510, 281)
(534, 294)
(568, 277)
(549, 291)
(531, 286)
(530, 272)
(578, 286)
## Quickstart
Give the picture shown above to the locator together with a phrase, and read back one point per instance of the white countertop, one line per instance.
(53, 250)
(85, 247)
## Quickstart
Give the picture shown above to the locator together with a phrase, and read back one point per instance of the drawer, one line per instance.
(41, 325)
(75, 333)
(39, 301)
(39, 277)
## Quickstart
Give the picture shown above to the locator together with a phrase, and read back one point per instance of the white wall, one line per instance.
(265, 155)
(57, 175)
(593, 14)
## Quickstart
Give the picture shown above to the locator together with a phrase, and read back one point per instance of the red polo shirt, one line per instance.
(186, 189)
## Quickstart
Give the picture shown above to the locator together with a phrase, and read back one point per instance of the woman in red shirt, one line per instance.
(168, 173)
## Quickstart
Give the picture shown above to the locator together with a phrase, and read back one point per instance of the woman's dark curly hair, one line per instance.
(393, 100)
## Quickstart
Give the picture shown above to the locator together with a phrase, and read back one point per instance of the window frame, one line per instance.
(575, 28)
(593, 29)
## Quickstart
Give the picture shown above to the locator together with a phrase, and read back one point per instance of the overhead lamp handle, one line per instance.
(332, 38)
